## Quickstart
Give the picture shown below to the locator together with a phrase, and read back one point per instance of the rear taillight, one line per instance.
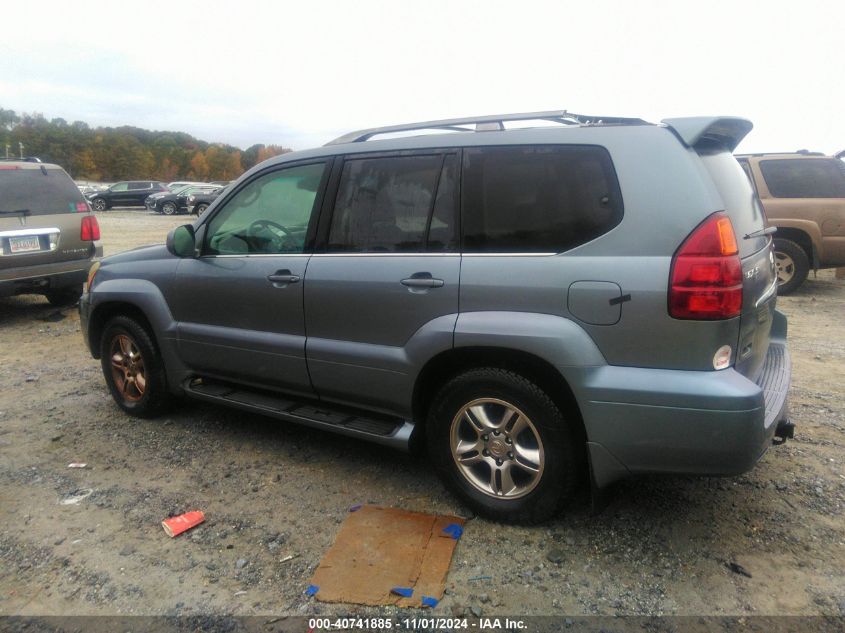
(706, 278)
(90, 229)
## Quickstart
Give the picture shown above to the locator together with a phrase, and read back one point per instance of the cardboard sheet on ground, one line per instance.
(379, 549)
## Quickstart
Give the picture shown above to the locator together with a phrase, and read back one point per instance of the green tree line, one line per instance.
(126, 152)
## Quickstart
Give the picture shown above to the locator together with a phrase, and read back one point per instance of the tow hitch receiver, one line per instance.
(784, 431)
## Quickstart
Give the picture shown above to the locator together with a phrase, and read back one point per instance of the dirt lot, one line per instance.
(272, 490)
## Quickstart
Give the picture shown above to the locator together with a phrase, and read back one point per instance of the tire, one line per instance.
(123, 337)
(200, 209)
(99, 204)
(546, 444)
(169, 208)
(792, 264)
(66, 296)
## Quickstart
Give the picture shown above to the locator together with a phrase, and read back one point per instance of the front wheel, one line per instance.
(169, 208)
(792, 265)
(133, 368)
(200, 209)
(99, 204)
(503, 446)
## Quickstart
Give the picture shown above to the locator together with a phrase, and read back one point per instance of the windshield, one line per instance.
(39, 192)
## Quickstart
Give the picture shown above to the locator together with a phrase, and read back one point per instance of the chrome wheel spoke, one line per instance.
(477, 418)
(506, 483)
(527, 458)
(517, 426)
(469, 453)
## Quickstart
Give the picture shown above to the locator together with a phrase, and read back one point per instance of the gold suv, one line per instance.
(803, 194)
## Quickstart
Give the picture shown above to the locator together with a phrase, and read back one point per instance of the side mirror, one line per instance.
(181, 241)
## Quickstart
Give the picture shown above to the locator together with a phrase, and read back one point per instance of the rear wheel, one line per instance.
(503, 446)
(66, 296)
(133, 368)
(792, 265)
(169, 208)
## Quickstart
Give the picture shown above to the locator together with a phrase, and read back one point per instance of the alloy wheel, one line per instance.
(785, 267)
(497, 448)
(127, 365)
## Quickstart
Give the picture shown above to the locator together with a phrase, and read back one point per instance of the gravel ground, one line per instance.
(89, 541)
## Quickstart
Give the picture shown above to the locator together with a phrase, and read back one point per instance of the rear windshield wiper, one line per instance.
(16, 211)
(767, 231)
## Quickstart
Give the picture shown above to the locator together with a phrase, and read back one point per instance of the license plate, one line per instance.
(24, 244)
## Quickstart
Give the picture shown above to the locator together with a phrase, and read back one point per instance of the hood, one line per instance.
(142, 253)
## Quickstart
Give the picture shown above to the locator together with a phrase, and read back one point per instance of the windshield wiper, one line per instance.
(20, 211)
(767, 231)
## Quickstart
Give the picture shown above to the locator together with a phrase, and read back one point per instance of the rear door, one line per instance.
(40, 217)
(759, 293)
(387, 275)
(138, 192)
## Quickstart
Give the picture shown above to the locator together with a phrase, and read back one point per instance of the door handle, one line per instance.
(422, 280)
(283, 277)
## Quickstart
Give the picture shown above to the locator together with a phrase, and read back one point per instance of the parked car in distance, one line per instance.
(222, 183)
(49, 236)
(173, 202)
(181, 184)
(199, 202)
(498, 297)
(803, 194)
(131, 193)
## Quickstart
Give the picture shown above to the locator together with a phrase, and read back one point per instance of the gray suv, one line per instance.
(536, 306)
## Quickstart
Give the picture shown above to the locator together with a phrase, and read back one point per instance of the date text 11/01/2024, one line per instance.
(414, 624)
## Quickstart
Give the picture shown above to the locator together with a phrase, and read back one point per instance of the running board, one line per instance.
(392, 432)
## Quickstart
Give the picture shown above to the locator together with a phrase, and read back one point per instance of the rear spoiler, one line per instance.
(725, 130)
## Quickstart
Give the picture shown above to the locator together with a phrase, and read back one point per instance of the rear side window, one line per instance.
(401, 204)
(537, 199)
(804, 178)
(39, 192)
(741, 202)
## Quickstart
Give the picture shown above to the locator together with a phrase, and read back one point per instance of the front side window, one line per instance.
(804, 177)
(539, 199)
(121, 186)
(270, 215)
(401, 204)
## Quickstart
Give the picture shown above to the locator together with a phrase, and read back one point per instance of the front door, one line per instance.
(383, 293)
(240, 303)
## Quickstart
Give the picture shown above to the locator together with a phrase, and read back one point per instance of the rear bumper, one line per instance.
(44, 277)
(685, 422)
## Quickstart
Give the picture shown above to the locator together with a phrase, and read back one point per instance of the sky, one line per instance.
(299, 74)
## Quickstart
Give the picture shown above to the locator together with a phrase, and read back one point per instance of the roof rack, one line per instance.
(25, 159)
(490, 122)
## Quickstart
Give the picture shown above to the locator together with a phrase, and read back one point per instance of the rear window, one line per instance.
(804, 178)
(39, 192)
(741, 202)
(541, 199)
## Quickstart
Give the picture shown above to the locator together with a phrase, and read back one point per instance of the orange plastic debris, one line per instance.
(174, 526)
